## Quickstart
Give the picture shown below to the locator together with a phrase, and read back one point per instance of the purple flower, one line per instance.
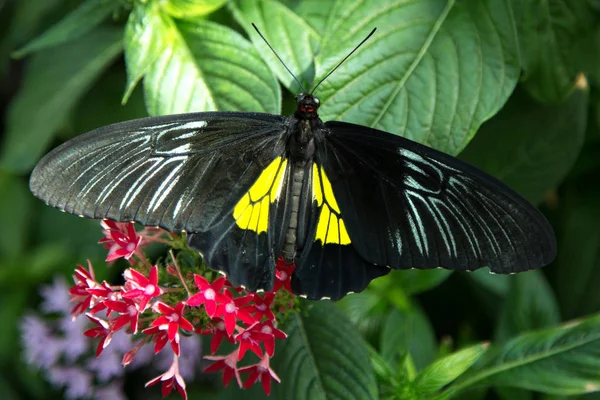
(42, 350)
(73, 343)
(110, 392)
(56, 297)
(76, 381)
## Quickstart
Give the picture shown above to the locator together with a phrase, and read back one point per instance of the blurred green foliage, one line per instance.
(511, 85)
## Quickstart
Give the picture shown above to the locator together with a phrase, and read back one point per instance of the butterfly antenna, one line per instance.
(279, 58)
(345, 58)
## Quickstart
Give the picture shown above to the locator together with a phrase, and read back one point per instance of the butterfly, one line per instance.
(345, 203)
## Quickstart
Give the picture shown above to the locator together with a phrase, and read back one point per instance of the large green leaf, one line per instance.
(12, 302)
(531, 146)
(562, 361)
(493, 283)
(414, 281)
(291, 37)
(367, 311)
(209, 67)
(530, 304)
(443, 371)
(102, 105)
(15, 205)
(319, 14)
(578, 263)
(549, 31)
(147, 35)
(408, 330)
(433, 71)
(324, 358)
(30, 18)
(55, 80)
(191, 8)
(74, 25)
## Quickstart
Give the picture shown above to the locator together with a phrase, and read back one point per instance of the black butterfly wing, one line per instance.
(179, 172)
(328, 265)
(406, 205)
(245, 243)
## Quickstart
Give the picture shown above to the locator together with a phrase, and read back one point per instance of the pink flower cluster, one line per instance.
(162, 313)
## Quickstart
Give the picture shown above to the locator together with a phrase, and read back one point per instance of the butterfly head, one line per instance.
(307, 106)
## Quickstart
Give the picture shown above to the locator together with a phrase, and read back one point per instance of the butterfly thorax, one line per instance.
(304, 123)
(301, 146)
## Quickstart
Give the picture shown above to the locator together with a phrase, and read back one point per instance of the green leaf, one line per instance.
(147, 35)
(38, 265)
(588, 162)
(80, 235)
(12, 303)
(209, 67)
(29, 18)
(530, 305)
(320, 15)
(408, 330)
(55, 81)
(494, 283)
(191, 8)
(291, 37)
(414, 281)
(7, 391)
(102, 105)
(578, 262)
(367, 311)
(324, 358)
(76, 24)
(562, 361)
(433, 71)
(531, 146)
(509, 393)
(15, 204)
(445, 370)
(548, 33)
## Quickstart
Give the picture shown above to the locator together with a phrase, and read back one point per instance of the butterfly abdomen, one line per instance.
(291, 238)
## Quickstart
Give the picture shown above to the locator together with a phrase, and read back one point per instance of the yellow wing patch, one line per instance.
(330, 226)
(252, 211)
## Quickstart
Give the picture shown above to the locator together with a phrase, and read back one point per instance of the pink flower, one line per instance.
(271, 333)
(121, 239)
(283, 275)
(260, 372)
(218, 332)
(141, 288)
(172, 319)
(102, 331)
(226, 363)
(128, 357)
(101, 293)
(161, 338)
(229, 309)
(170, 379)
(129, 314)
(250, 340)
(207, 295)
(84, 280)
(262, 306)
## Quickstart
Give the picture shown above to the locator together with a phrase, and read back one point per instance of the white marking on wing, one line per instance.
(419, 224)
(192, 125)
(91, 182)
(166, 186)
(435, 218)
(178, 207)
(125, 172)
(140, 183)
